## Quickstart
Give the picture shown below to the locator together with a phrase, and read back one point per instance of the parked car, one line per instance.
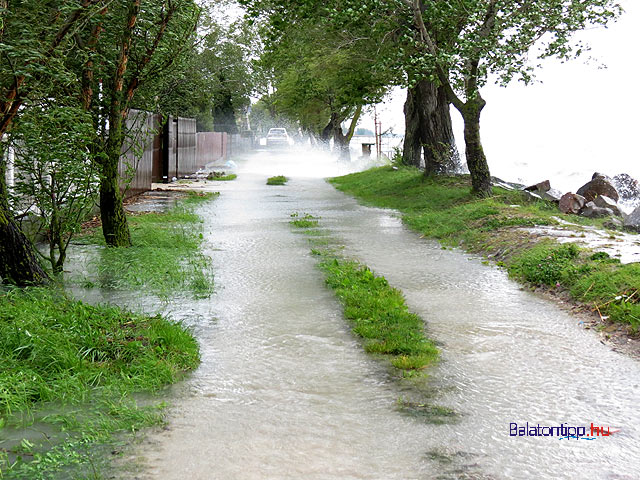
(278, 137)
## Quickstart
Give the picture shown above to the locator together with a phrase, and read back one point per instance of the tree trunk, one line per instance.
(412, 147)
(428, 128)
(18, 260)
(476, 159)
(114, 221)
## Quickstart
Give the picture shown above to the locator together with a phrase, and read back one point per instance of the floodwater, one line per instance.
(286, 392)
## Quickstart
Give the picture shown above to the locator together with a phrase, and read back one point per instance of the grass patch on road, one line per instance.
(221, 177)
(378, 312)
(444, 208)
(165, 258)
(277, 180)
(83, 363)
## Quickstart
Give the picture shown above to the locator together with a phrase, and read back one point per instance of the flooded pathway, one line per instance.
(285, 391)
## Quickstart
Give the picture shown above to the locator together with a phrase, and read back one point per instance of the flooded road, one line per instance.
(286, 392)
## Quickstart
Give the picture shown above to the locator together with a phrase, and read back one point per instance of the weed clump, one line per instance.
(546, 264)
(305, 220)
(277, 180)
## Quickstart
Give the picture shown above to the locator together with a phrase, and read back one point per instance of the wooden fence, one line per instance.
(159, 153)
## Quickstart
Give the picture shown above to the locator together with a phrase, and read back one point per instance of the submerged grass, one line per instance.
(165, 257)
(55, 353)
(221, 177)
(443, 208)
(377, 311)
(277, 180)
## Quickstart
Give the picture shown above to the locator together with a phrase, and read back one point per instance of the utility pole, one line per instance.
(378, 133)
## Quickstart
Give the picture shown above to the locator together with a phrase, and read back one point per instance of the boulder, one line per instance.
(603, 201)
(632, 221)
(600, 185)
(571, 203)
(530, 196)
(591, 210)
(539, 187)
(551, 195)
(628, 187)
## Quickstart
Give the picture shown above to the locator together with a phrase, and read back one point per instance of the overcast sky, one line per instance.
(578, 120)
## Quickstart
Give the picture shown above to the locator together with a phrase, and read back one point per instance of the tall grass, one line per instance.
(165, 258)
(83, 362)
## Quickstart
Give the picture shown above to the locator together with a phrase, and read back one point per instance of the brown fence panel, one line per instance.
(187, 160)
(211, 147)
(137, 160)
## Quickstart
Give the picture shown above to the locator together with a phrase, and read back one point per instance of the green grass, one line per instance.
(611, 288)
(277, 180)
(377, 311)
(443, 208)
(304, 220)
(83, 362)
(379, 314)
(165, 258)
(221, 177)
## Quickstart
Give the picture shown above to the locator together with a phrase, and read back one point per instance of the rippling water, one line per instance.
(285, 391)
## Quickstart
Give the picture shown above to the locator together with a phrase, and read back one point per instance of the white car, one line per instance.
(278, 137)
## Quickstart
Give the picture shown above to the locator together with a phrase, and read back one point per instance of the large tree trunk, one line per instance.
(18, 260)
(476, 159)
(428, 128)
(114, 221)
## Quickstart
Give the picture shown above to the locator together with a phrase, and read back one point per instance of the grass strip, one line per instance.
(277, 180)
(443, 208)
(222, 178)
(55, 353)
(377, 311)
(165, 257)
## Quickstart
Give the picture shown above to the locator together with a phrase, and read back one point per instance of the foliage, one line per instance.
(165, 260)
(277, 180)
(318, 72)
(212, 83)
(55, 173)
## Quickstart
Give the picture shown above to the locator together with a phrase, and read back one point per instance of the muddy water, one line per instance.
(285, 392)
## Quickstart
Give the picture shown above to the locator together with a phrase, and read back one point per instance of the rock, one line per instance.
(552, 195)
(498, 182)
(539, 187)
(613, 224)
(591, 210)
(571, 203)
(606, 202)
(530, 196)
(632, 221)
(600, 185)
(627, 186)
